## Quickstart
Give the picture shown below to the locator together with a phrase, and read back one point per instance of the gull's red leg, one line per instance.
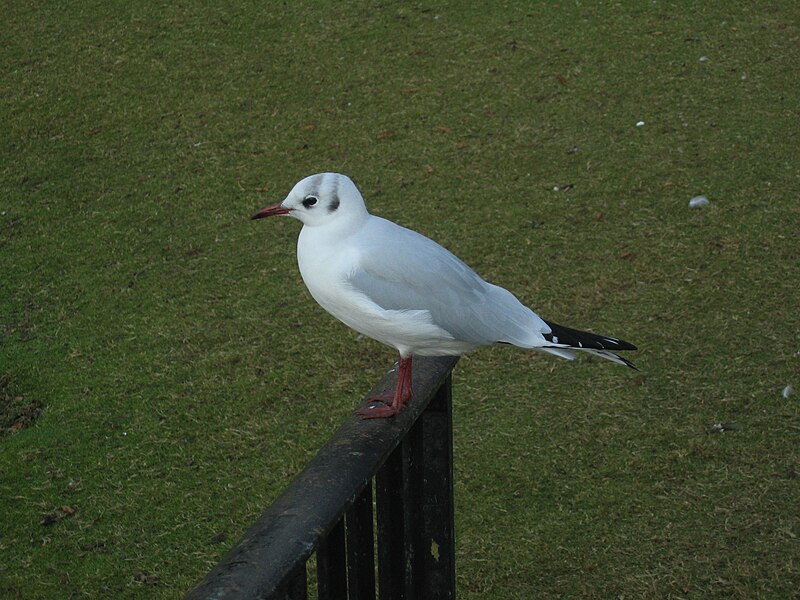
(405, 396)
(389, 397)
(402, 394)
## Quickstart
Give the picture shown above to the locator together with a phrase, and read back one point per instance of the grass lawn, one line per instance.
(164, 373)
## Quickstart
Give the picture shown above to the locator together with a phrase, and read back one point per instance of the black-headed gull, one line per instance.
(405, 290)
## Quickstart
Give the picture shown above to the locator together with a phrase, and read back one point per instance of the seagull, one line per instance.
(403, 289)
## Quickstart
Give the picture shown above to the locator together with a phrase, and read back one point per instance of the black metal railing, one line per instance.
(328, 510)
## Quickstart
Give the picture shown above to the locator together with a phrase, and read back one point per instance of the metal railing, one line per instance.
(328, 510)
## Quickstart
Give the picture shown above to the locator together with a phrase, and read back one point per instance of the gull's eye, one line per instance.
(310, 201)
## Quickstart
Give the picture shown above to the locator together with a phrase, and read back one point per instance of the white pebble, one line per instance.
(698, 201)
(703, 59)
(639, 123)
(787, 391)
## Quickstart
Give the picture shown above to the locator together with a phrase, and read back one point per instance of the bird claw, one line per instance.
(376, 412)
(393, 402)
(385, 398)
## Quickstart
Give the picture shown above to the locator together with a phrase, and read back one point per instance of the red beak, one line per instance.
(270, 211)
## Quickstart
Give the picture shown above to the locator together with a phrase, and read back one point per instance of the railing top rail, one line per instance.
(286, 534)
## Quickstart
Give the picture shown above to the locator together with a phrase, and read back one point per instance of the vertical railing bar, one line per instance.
(360, 551)
(297, 588)
(437, 502)
(332, 565)
(413, 524)
(389, 507)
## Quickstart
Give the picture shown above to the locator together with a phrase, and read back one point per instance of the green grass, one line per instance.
(177, 374)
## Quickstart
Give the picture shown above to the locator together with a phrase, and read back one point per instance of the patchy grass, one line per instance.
(185, 375)
(16, 411)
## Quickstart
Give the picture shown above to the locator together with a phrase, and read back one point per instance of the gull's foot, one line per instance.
(384, 398)
(377, 412)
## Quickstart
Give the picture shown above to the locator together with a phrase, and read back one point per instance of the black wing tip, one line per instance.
(623, 345)
(585, 339)
(627, 362)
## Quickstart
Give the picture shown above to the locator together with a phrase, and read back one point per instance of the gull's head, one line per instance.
(320, 199)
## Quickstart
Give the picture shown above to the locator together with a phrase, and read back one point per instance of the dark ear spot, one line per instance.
(334, 204)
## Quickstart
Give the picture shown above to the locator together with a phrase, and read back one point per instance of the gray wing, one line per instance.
(400, 269)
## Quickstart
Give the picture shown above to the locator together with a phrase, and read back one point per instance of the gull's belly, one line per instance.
(409, 331)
